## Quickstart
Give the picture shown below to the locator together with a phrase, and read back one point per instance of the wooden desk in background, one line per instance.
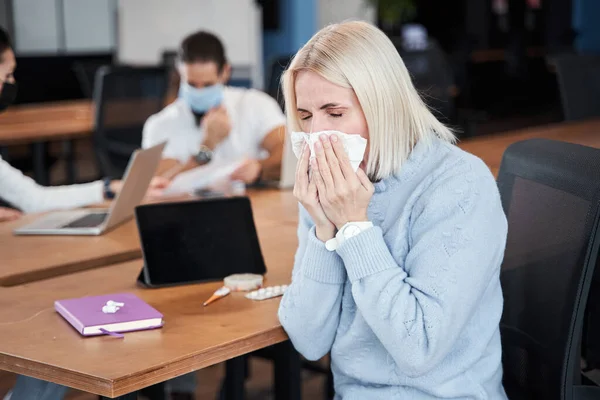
(30, 258)
(37, 124)
(29, 123)
(38, 342)
(491, 148)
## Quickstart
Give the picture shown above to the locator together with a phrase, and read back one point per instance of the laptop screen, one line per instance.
(198, 241)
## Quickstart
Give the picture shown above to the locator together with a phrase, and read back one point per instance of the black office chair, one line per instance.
(433, 78)
(85, 71)
(278, 66)
(124, 97)
(579, 83)
(551, 195)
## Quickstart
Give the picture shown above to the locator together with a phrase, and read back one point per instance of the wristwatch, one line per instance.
(346, 232)
(108, 193)
(204, 155)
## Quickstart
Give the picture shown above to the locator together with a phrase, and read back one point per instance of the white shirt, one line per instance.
(252, 114)
(22, 192)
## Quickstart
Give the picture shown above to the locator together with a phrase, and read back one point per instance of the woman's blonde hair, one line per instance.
(359, 56)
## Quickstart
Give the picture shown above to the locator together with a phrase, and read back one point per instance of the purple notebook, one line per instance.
(86, 315)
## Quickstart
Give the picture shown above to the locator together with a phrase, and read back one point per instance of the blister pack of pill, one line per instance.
(267, 292)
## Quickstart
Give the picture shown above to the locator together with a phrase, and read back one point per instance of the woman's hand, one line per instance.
(8, 214)
(343, 193)
(306, 193)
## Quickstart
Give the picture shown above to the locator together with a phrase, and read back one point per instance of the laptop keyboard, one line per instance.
(89, 221)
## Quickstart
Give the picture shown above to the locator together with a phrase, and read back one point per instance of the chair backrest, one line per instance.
(550, 193)
(579, 83)
(169, 61)
(124, 98)
(278, 66)
(432, 76)
(86, 72)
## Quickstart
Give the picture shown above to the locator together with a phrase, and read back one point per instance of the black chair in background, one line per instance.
(551, 195)
(579, 83)
(433, 77)
(273, 87)
(124, 97)
(85, 71)
(169, 58)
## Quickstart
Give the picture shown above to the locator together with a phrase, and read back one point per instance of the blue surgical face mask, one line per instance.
(201, 100)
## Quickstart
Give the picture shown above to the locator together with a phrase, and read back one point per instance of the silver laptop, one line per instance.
(141, 169)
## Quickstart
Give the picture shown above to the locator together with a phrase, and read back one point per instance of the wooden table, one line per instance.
(38, 342)
(491, 148)
(38, 124)
(24, 124)
(31, 258)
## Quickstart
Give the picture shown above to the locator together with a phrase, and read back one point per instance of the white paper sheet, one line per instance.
(201, 177)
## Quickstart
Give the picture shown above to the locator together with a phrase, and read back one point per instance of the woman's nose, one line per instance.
(319, 124)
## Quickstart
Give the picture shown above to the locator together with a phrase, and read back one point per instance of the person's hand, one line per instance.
(344, 194)
(157, 187)
(115, 186)
(9, 214)
(248, 172)
(216, 126)
(305, 191)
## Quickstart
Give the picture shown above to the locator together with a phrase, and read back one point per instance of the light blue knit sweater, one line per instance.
(410, 308)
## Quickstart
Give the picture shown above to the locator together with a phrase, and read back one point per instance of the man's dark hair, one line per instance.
(4, 41)
(203, 47)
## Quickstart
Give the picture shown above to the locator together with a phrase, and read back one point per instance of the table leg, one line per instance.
(154, 392)
(40, 172)
(235, 375)
(128, 396)
(68, 152)
(288, 380)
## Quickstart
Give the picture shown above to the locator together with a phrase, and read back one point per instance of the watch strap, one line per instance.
(344, 234)
(204, 155)
(108, 193)
(331, 244)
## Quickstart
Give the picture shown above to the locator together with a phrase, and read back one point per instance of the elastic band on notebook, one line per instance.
(114, 334)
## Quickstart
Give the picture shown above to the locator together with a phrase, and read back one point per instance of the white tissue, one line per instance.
(355, 145)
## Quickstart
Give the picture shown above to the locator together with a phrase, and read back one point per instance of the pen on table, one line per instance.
(224, 291)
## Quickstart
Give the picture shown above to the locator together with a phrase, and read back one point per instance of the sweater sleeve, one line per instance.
(311, 306)
(418, 306)
(24, 193)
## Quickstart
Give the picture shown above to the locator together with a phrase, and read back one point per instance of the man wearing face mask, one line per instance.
(211, 121)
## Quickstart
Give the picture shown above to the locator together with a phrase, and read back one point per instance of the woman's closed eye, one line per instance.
(336, 112)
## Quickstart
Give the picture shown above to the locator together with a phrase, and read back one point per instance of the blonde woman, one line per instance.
(397, 269)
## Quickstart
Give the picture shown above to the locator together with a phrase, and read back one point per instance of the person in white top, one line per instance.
(214, 122)
(20, 190)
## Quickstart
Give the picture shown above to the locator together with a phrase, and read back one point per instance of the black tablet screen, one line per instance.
(198, 240)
